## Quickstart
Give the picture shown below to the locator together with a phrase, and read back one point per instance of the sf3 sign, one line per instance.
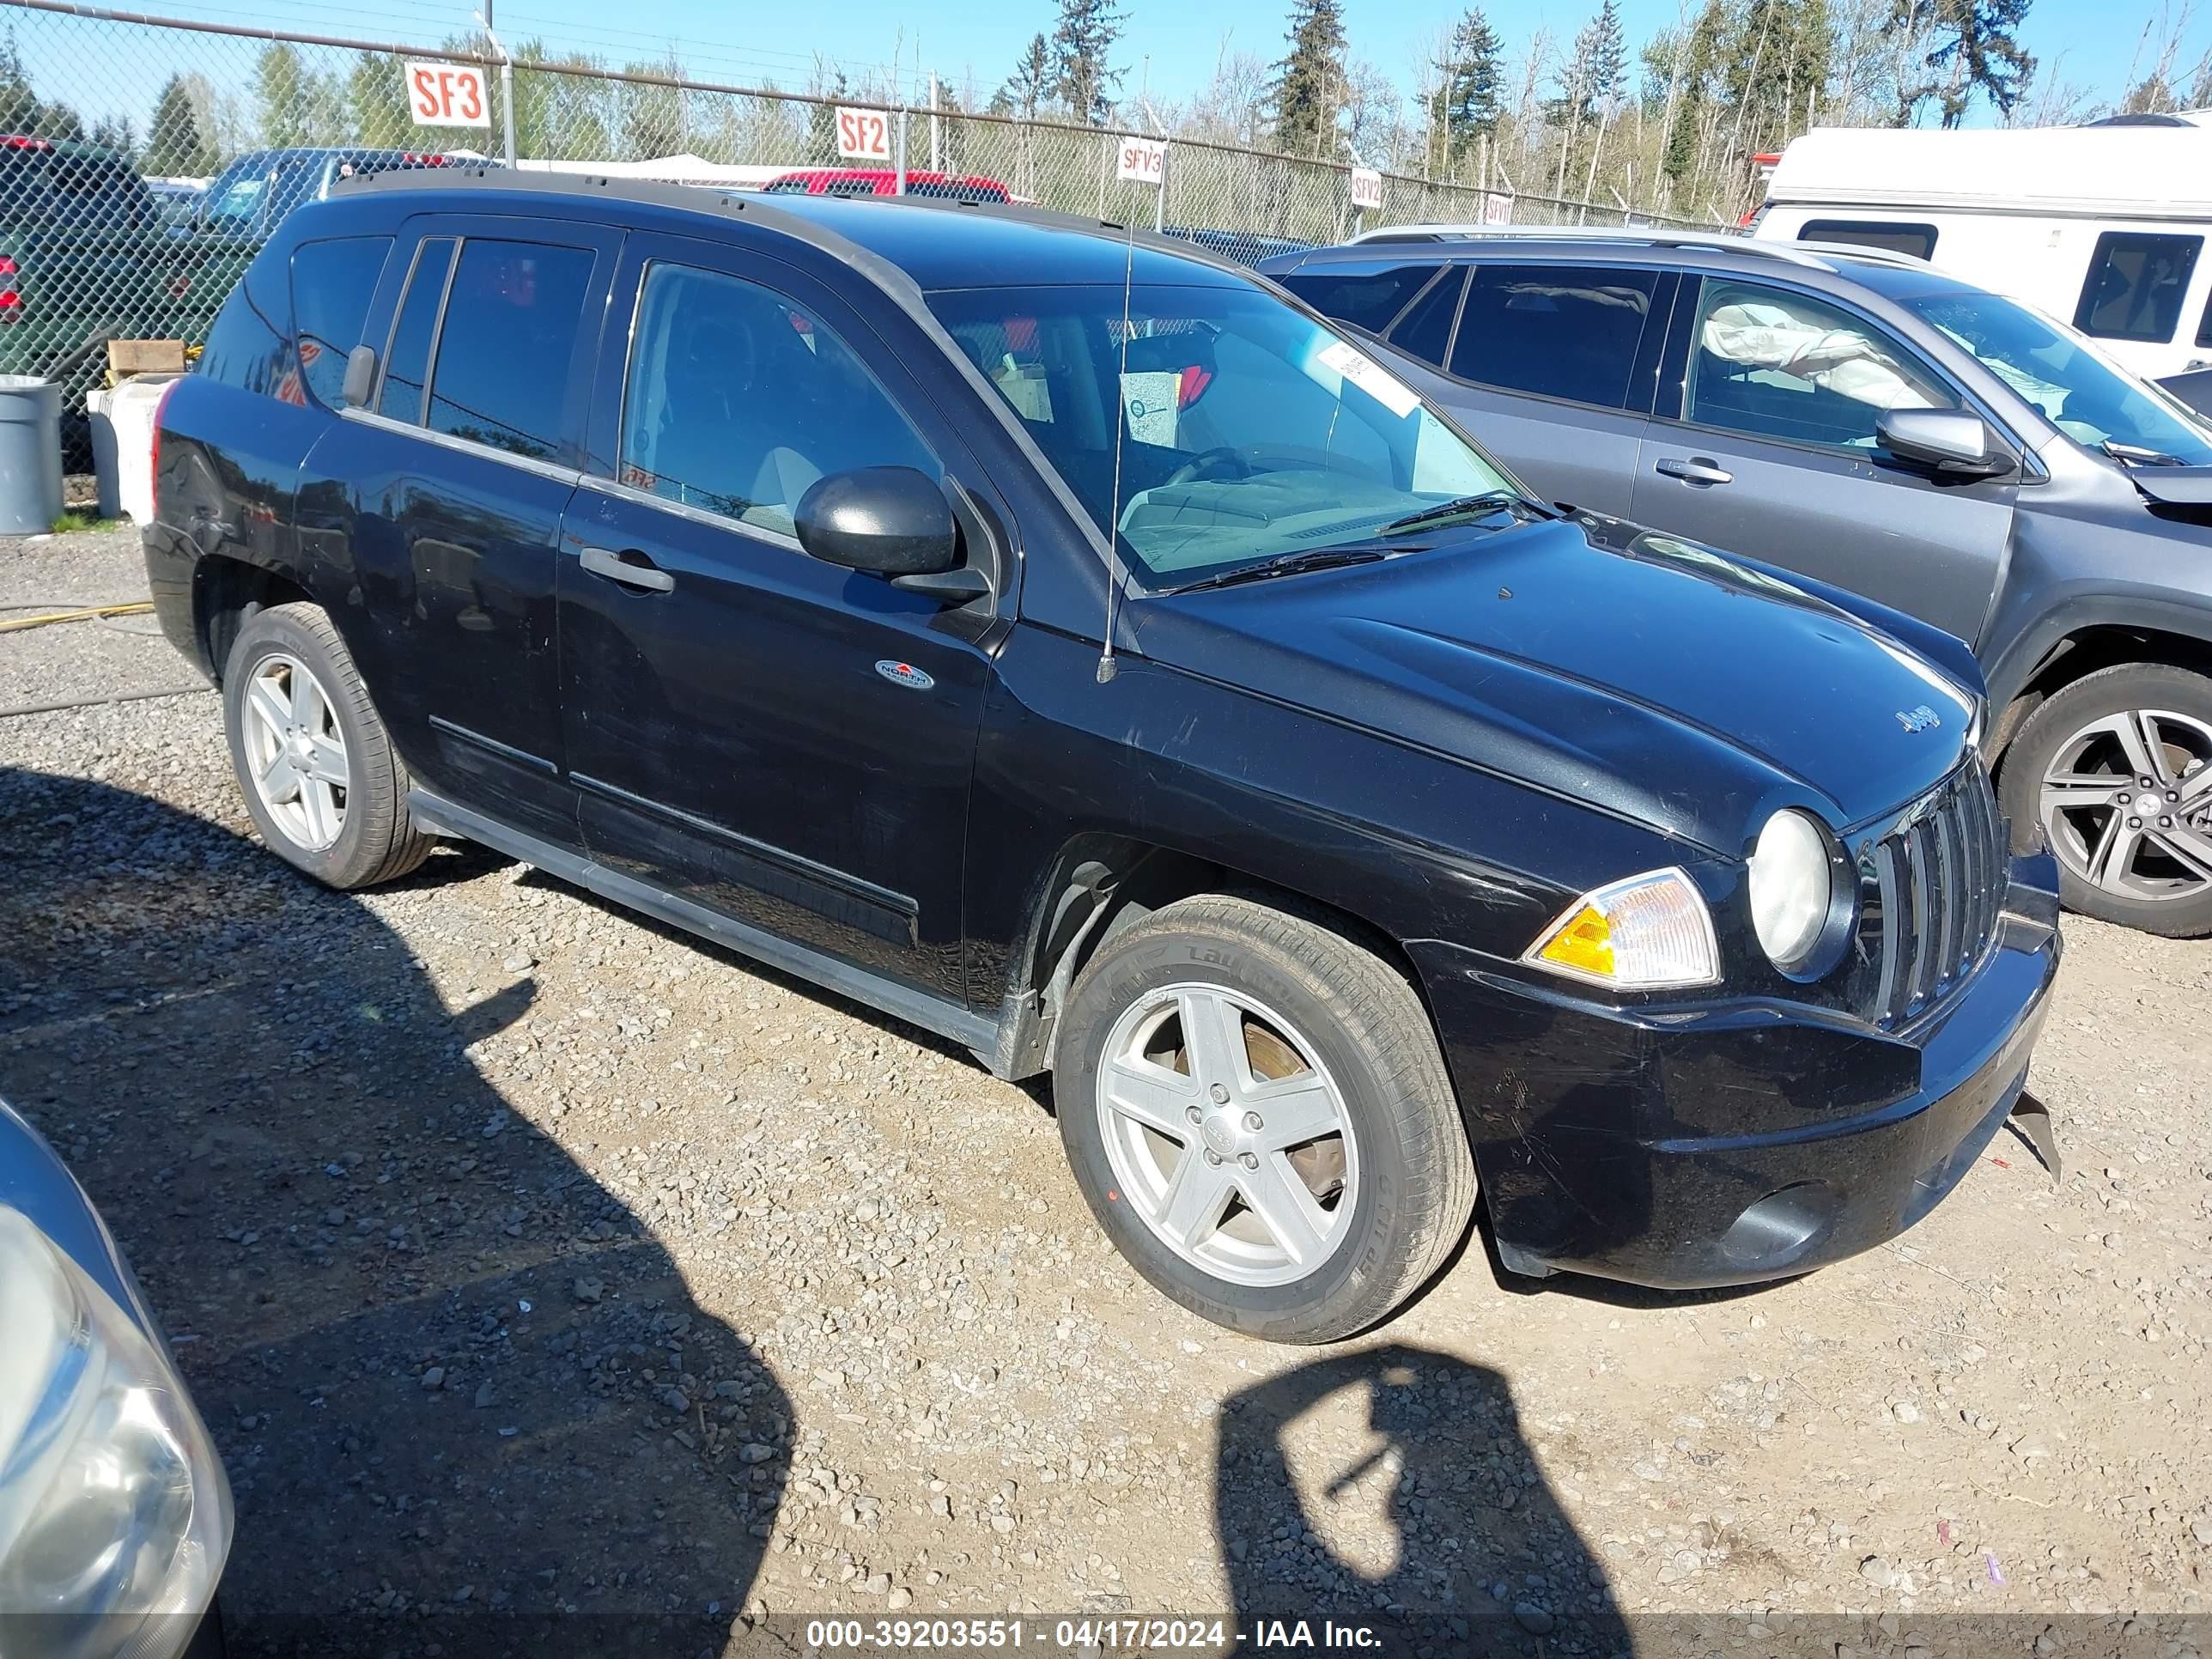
(864, 135)
(447, 96)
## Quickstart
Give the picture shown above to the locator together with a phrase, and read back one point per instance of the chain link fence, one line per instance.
(145, 159)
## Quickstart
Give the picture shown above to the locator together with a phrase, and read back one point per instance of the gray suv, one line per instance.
(1857, 416)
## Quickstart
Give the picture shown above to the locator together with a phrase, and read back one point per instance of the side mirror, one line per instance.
(360, 376)
(891, 520)
(1952, 443)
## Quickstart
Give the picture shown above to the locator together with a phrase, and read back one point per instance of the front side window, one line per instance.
(1247, 430)
(332, 284)
(2136, 285)
(1785, 366)
(512, 315)
(738, 401)
(1566, 331)
(407, 365)
(1366, 296)
(2080, 391)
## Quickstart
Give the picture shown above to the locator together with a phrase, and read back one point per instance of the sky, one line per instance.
(1171, 45)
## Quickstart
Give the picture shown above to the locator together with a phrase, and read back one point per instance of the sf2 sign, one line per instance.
(864, 135)
(447, 96)
(1143, 161)
(1366, 188)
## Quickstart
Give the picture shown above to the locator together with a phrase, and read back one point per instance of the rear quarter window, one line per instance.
(248, 345)
(1366, 297)
(332, 284)
(1565, 330)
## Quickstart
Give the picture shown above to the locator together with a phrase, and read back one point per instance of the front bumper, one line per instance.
(1732, 1142)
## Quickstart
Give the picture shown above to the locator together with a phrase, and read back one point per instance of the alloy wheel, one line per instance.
(295, 752)
(1226, 1134)
(2127, 802)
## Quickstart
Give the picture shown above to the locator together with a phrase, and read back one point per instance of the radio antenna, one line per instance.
(1107, 666)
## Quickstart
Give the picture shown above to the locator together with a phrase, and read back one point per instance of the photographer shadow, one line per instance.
(463, 1393)
(1390, 1489)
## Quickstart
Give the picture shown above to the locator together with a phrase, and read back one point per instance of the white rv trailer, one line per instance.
(2101, 225)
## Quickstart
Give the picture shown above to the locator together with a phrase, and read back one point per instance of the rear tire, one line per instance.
(2076, 773)
(324, 785)
(1307, 1230)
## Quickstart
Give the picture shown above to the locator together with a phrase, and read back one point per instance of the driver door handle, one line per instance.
(634, 571)
(1698, 470)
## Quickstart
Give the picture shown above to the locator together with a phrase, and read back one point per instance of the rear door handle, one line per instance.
(1696, 470)
(636, 571)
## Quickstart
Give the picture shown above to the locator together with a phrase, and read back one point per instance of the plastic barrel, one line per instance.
(30, 455)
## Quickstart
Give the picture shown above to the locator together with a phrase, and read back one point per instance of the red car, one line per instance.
(882, 181)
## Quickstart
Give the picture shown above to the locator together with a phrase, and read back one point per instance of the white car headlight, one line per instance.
(115, 1515)
(1793, 892)
(1648, 933)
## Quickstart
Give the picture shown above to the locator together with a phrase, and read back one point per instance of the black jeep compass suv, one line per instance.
(1062, 639)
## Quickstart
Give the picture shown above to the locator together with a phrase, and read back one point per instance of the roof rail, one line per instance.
(1818, 255)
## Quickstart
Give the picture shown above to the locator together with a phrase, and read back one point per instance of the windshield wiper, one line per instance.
(1287, 564)
(1491, 500)
(2136, 455)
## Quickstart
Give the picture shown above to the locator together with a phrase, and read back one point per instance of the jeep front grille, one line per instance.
(1930, 891)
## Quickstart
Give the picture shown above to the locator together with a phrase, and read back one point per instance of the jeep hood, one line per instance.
(1641, 675)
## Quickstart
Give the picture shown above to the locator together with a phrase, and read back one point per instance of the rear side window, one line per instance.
(1562, 330)
(1365, 296)
(407, 366)
(1918, 240)
(2135, 283)
(738, 401)
(514, 314)
(332, 284)
(1425, 329)
(246, 347)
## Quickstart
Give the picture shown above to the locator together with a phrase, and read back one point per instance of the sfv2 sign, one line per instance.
(1144, 161)
(864, 135)
(447, 96)
(1366, 188)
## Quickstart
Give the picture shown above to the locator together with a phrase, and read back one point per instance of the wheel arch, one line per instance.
(2088, 647)
(1098, 884)
(227, 594)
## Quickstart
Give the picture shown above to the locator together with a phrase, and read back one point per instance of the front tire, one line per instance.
(324, 785)
(1258, 1114)
(2116, 770)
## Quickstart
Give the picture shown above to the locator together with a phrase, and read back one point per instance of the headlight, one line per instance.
(114, 1514)
(1645, 933)
(1794, 907)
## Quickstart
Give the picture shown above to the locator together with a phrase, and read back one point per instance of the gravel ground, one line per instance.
(528, 1258)
(115, 656)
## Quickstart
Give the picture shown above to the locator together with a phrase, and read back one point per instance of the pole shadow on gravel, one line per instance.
(463, 1396)
(1472, 1554)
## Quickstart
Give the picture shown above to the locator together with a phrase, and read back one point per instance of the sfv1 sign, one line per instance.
(1144, 161)
(447, 96)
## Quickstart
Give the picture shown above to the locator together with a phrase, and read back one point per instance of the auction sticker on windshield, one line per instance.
(1371, 377)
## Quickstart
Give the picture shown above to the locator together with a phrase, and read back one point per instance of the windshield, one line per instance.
(2085, 395)
(1251, 431)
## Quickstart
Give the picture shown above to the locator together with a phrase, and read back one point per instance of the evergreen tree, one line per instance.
(1083, 81)
(1030, 85)
(1781, 52)
(653, 116)
(1693, 82)
(19, 105)
(821, 119)
(175, 147)
(1976, 50)
(1309, 83)
(281, 86)
(1472, 93)
(377, 93)
(112, 132)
